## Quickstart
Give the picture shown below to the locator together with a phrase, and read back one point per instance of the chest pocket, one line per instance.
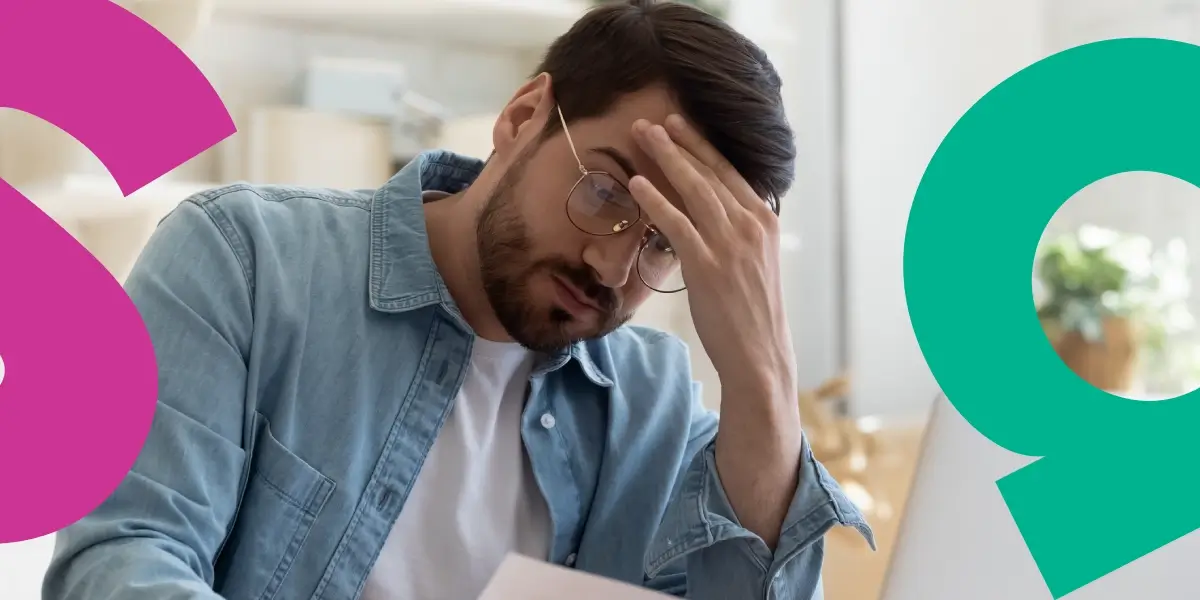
(283, 497)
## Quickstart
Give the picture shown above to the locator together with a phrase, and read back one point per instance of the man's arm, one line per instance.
(158, 534)
(759, 450)
(754, 482)
(725, 559)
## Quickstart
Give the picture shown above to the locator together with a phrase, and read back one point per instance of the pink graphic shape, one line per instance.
(81, 382)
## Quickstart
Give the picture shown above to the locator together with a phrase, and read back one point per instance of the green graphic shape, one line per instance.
(1116, 478)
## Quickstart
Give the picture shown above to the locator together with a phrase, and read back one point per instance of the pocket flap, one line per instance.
(289, 475)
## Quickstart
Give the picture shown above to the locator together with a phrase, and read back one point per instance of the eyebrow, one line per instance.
(616, 156)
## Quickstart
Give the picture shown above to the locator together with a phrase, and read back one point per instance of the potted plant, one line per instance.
(1106, 299)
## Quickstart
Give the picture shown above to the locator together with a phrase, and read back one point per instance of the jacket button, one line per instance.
(571, 559)
(548, 421)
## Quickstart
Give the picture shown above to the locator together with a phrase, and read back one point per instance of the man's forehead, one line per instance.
(652, 104)
(614, 131)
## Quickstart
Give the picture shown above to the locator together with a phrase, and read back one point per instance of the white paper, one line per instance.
(522, 578)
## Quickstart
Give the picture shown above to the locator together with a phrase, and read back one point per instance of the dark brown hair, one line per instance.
(722, 82)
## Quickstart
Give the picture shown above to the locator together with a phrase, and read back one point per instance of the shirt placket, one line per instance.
(412, 434)
(549, 455)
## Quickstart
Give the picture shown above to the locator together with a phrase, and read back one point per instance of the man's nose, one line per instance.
(613, 258)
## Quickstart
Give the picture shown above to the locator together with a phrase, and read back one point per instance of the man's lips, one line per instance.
(577, 302)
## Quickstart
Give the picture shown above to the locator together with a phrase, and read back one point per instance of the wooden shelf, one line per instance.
(510, 24)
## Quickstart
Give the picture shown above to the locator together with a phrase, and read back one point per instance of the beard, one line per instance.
(507, 268)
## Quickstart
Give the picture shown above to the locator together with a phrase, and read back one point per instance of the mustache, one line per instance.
(584, 278)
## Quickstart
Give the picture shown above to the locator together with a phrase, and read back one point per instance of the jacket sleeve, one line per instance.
(711, 556)
(158, 534)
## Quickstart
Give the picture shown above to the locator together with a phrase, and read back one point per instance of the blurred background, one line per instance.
(342, 93)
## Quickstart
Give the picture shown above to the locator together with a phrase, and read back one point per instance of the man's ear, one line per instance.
(523, 118)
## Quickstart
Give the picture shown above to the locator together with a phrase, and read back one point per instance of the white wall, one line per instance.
(912, 68)
(807, 59)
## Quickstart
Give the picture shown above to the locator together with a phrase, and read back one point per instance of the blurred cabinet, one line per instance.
(468, 135)
(297, 146)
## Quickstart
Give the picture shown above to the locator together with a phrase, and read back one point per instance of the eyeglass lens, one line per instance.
(600, 205)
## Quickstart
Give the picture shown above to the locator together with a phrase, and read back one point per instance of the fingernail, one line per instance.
(676, 122)
(660, 133)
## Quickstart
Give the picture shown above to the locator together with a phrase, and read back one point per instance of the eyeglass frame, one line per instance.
(651, 230)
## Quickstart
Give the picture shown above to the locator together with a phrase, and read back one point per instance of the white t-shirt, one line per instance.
(475, 499)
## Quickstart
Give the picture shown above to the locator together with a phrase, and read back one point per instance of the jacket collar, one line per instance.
(402, 274)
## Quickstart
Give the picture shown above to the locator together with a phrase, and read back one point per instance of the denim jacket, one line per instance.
(309, 352)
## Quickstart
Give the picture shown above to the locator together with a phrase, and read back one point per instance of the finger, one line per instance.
(701, 200)
(668, 219)
(691, 140)
(728, 202)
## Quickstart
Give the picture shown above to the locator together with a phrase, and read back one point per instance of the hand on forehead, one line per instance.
(612, 136)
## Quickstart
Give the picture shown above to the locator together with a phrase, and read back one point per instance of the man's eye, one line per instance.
(659, 243)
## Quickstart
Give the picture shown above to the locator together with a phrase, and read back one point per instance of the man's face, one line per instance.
(550, 283)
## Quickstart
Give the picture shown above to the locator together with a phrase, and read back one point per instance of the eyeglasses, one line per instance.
(600, 205)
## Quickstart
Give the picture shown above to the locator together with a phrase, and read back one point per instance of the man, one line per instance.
(379, 394)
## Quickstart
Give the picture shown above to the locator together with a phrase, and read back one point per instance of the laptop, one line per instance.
(957, 539)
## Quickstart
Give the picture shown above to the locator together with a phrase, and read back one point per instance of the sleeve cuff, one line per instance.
(702, 516)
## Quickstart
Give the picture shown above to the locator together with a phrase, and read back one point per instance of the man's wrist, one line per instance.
(763, 416)
(768, 393)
